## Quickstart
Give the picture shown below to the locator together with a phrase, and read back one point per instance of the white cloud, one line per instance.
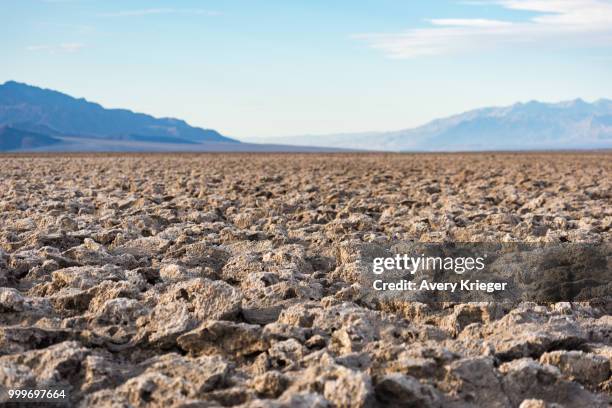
(563, 23)
(67, 48)
(154, 11)
(469, 22)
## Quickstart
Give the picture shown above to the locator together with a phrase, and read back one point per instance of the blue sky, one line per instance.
(255, 69)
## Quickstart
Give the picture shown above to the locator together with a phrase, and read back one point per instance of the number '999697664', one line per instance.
(34, 395)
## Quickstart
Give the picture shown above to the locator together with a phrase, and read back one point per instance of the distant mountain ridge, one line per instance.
(53, 113)
(33, 119)
(523, 126)
(16, 139)
(36, 119)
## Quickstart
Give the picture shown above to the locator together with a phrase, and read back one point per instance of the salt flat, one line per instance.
(229, 279)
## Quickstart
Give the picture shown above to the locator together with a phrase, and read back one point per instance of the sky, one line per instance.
(255, 69)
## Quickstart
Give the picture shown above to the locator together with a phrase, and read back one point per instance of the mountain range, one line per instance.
(54, 114)
(16, 139)
(36, 119)
(534, 125)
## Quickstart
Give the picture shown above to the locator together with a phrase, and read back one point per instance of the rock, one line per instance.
(348, 388)
(270, 384)
(101, 372)
(121, 311)
(16, 376)
(398, 390)
(151, 389)
(71, 300)
(524, 333)
(11, 301)
(239, 267)
(285, 354)
(85, 277)
(301, 400)
(174, 272)
(203, 374)
(200, 254)
(475, 381)
(413, 366)
(466, 314)
(536, 403)
(168, 381)
(258, 314)
(57, 366)
(356, 251)
(20, 339)
(528, 379)
(186, 304)
(224, 337)
(143, 247)
(585, 368)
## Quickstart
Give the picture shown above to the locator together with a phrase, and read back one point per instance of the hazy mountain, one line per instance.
(53, 113)
(534, 125)
(46, 120)
(41, 120)
(15, 139)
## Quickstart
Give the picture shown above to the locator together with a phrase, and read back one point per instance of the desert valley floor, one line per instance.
(205, 280)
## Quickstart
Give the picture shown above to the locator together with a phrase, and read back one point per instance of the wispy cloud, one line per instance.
(469, 22)
(67, 48)
(154, 11)
(562, 22)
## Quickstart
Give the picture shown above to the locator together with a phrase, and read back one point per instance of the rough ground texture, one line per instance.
(225, 280)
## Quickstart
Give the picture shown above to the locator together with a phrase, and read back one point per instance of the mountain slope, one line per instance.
(16, 139)
(54, 113)
(523, 126)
